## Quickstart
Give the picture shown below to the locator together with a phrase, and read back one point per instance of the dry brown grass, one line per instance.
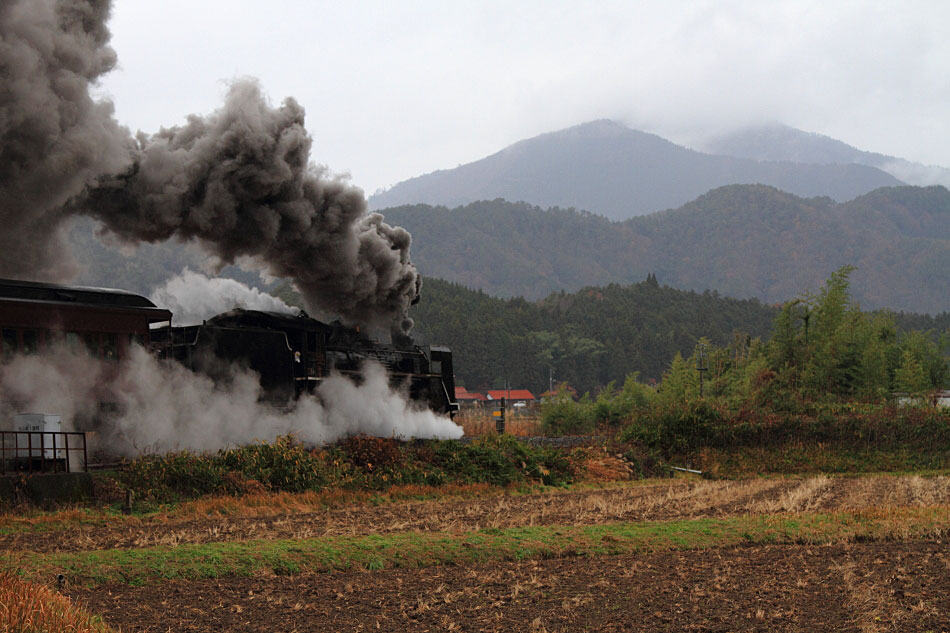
(308, 515)
(482, 423)
(912, 490)
(807, 496)
(600, 466)
(27, 607)
(257, 505)
(270, 504)
(13, 517)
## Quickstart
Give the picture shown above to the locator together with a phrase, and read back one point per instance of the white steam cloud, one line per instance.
(163, 406)
(193, 298)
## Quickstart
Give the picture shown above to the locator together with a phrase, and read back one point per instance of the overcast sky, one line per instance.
(396, 89)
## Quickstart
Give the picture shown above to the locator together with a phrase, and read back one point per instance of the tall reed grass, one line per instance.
(27, 607)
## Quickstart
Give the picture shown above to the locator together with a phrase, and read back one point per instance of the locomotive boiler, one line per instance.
(294, 354)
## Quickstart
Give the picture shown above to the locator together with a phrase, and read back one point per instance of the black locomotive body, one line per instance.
(294, 354)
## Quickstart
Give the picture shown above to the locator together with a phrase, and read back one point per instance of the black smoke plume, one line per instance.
(54, 139)
(238, 181)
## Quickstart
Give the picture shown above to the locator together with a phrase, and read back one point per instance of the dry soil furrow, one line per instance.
(858, 587)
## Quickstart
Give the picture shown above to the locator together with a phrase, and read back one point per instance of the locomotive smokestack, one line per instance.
(238, 181)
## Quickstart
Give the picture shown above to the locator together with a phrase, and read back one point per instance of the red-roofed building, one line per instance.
(513, 396)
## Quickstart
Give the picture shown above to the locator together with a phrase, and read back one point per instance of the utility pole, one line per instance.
(500, 417)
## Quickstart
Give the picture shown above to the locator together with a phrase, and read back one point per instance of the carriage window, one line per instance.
(72, 342)
(9, 342)
(436, 367)
(110, 346)
(92, 344)
(30, 341)
(54, 339)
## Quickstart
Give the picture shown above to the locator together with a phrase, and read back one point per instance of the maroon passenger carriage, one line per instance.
(105, 322)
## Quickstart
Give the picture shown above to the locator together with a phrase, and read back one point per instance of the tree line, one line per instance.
(586, 338)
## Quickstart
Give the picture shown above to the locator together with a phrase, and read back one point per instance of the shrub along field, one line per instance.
(358, 463)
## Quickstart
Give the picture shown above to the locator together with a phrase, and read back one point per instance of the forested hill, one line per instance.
(586, 338)
(742, 240)
(610, 169)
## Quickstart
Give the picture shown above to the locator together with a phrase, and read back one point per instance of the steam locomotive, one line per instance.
(294, 354)
(291, 354)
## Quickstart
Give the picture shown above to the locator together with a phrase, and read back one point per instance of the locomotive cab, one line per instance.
(442, 380)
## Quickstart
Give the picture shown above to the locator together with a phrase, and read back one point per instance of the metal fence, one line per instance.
(41, 451)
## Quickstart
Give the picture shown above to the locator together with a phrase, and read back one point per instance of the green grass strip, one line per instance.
(422, 549)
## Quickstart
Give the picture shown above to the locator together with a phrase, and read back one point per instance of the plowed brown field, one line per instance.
(866, 587)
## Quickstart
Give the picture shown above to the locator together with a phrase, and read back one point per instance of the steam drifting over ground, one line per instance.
(163, 406)
(238, 181)
(193, 298)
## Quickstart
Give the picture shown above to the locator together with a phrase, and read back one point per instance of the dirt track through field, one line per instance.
(676, 499)
(868, 587)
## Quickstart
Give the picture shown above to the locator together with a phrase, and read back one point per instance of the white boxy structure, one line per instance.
(44, 448)
(36, 442)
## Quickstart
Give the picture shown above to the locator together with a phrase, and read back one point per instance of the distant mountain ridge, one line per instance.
(776, 142)
(609, 169)
(741, 240)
